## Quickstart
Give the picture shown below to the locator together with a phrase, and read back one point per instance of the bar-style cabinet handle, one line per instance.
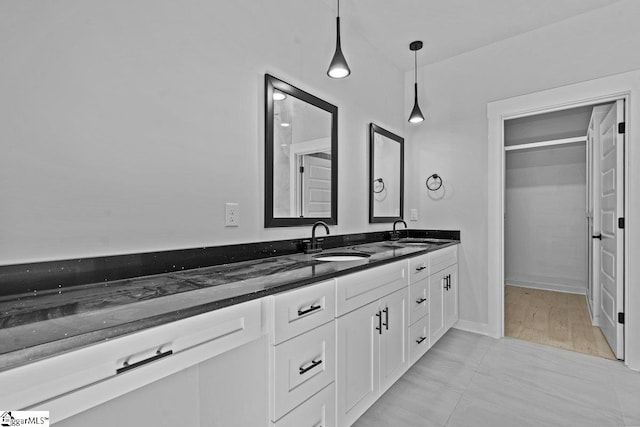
(309, 310)
(379, 327)
(386, 318)
(422, 267)
(313, 364)
(159, 355)
(421, 300)
(419, 340)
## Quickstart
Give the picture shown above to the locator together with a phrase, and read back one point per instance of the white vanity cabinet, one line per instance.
(371, 337)
(302, 357)
(319, 355)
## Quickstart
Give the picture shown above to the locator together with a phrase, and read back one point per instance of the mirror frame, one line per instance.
(373, 129)
(270, 84)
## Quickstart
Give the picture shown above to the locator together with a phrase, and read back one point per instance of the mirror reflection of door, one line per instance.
(302, 160)
(314, 185)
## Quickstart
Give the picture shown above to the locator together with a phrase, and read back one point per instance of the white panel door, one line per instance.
(611, 208)
(316, 186)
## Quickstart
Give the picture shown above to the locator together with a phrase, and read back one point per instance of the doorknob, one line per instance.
(597, 236)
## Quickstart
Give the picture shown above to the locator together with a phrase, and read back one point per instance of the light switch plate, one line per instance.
(231, 212)
(413, 214)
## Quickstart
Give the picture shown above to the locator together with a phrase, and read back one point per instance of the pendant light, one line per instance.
(416, 115)
(338, 68)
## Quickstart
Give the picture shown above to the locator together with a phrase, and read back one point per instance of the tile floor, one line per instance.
(472, 380)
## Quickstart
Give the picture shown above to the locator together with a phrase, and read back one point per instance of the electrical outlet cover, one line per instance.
(414, 214)
(231, 215)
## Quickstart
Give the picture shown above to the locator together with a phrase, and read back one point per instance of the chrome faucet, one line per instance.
(313, 246)
(395, 235)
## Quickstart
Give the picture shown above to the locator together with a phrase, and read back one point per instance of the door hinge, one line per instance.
(621, 318)
(621, 127)
(620, 222)
(301, 169)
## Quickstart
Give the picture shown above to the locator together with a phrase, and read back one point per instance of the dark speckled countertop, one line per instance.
(36, 325)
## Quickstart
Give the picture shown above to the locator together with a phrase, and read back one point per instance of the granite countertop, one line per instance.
(37, 325)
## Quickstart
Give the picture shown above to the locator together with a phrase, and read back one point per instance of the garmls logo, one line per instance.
(24, 418)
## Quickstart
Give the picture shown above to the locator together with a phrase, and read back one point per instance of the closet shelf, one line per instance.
(546, 143)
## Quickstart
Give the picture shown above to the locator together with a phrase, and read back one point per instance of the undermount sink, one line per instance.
(341, 256)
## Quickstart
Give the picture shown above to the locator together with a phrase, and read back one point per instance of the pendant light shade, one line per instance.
(416, 115)
(338, 68)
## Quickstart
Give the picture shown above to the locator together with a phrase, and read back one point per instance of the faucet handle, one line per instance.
(310, 247)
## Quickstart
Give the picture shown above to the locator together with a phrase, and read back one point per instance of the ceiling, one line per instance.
(449, 27)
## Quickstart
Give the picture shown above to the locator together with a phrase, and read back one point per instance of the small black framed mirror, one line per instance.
(301, 157)
(386, 175)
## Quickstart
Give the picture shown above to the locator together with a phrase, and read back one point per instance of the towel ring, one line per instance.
(434, 182)
(378, 186)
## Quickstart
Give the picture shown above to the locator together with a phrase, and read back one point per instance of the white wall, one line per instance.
(453, 139)
(545, 224)
(126, 126)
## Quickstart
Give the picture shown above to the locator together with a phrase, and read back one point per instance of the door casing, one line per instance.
(624, 86)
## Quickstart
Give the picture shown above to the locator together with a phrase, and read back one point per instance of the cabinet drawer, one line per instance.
(185, 342)
(443, 258)
(358, 289)
(303, 309)
(418, 339)
(302, 366)
(418, 300)
(317, 411)
(418, 268)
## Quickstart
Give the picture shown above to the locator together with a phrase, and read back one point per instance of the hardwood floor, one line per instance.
(553, 318)
(473, 380)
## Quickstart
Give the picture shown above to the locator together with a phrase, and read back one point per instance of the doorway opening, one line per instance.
(563, 235)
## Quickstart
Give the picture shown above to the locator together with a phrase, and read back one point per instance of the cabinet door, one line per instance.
(393, 341)
(358, 362)
(451, 297)
(436, 307)
(232, 389)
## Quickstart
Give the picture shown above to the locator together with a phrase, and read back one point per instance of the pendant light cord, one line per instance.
(338, 8)
(415, 68)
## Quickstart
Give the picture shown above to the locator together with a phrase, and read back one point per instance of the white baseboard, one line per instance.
(580, 290)
(475, 327)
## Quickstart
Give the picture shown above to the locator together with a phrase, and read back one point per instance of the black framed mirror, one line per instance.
(301, 157)
(386, 175)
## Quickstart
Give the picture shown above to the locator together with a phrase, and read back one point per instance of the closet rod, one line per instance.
(547, 143)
